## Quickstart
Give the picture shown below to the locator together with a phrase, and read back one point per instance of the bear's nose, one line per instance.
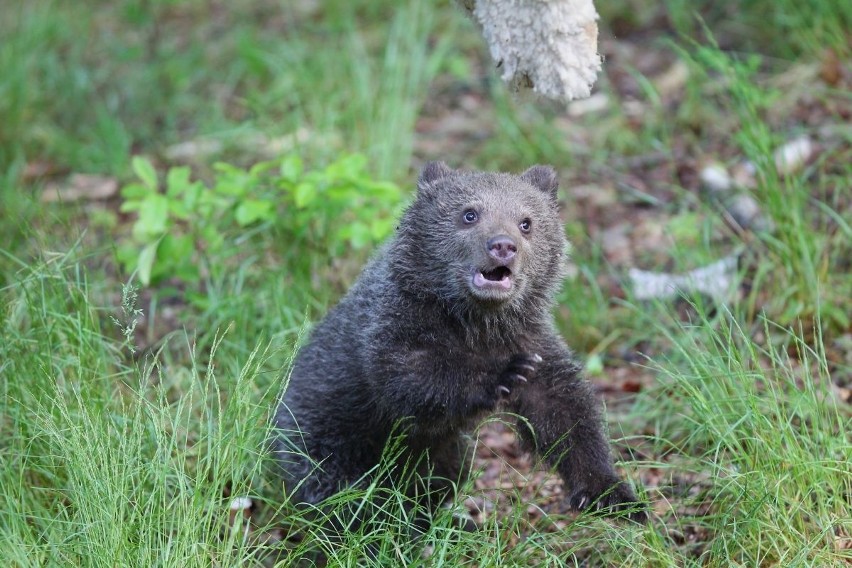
(502, 248)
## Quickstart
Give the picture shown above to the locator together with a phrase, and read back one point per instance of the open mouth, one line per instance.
(497, 279)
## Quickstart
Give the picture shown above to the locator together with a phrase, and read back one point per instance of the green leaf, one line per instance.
(177, 181)
(227, 169)
(153, 217)
(260, 168)
(130, 206)
(175, 248)
(304, 194)
(357, 233)
(384, 190)
(175, 258)
(237, 188)
(381, 228)
(336, 192)
(146, 262)
(231, 181)
(594, 365)
(145, 171)
(291, 168)
(252, 210)
(192, 196)
(135, 191)
(351, 166)
(127, 255)
(212, 236)
(178, 210)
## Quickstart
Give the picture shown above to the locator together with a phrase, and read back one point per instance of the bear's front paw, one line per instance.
(616, 499)
(520, 370)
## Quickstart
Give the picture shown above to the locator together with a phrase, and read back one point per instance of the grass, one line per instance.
(769, 437)
(131, 419)
(102, 464)
(111, 461)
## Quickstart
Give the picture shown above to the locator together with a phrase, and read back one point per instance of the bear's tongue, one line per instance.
(499, 277)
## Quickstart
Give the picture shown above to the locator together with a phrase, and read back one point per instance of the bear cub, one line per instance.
(451, 320)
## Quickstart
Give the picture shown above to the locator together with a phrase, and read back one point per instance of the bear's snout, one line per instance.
(501, 248)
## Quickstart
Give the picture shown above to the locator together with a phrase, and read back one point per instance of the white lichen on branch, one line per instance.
(549, 46)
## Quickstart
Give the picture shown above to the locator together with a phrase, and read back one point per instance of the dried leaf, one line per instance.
(672, 79)
(80, 187)
(596, 103)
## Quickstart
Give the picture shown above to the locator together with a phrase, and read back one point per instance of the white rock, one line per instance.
(744, 209)
(790, 157)
(715, 178)
(241, 503)
(744, 174)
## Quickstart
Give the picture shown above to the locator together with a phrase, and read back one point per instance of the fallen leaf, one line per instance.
(255, 143)
(193, 149)
(80, 187)
(830, 69)
(595, 103)
(37, 170)
(616, 244)
(672, 79)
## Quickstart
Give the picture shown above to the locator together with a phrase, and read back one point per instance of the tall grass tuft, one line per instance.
(758, 429)
(112, 462)
(367, 88)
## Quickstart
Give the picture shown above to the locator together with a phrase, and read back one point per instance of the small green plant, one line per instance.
(180, 230)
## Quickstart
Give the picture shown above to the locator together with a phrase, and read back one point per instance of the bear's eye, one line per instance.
(525, 226)
(470, 216)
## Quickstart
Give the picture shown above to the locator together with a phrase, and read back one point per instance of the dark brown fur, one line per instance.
(416, 342)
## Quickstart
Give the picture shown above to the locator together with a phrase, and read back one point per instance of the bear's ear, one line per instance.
(542, 177)
(432, 172)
